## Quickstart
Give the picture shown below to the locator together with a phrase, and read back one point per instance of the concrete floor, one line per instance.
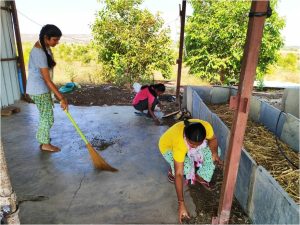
(64, 187)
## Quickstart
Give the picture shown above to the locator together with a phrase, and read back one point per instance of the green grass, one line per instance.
(91, 73)
(186, 78)
(77, 72)
(283, 75)
(287, 68)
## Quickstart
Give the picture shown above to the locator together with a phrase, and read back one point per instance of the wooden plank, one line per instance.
(171, 114)
(10, 110)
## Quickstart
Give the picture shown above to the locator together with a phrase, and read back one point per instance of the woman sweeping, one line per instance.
(40, 85)
(146, 99)
(191, 149)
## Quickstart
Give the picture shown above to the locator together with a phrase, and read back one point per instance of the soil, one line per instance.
(100, 95)
(106, 94)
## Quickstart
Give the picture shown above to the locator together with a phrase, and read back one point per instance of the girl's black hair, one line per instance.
(158, 87)
(194, 131)
(49, 31)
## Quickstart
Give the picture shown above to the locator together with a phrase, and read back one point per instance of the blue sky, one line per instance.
(74, 16)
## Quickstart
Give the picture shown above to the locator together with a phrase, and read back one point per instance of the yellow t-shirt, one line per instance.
(173, 139)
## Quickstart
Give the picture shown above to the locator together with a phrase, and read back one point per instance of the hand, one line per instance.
(157, 121)
(64, 104)
(160, 106)
(157, 109)
(216, 159)
(182, 212)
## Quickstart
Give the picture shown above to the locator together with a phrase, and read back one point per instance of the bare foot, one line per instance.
(207, 185)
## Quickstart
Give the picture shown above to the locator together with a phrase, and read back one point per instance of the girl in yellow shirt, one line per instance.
(191, 149)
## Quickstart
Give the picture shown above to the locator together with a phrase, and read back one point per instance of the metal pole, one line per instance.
(179, 60)
(19, 44)
(241, 105)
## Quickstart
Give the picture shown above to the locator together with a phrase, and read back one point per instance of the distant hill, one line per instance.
(85, 38)
(291, 48)
(66, 38)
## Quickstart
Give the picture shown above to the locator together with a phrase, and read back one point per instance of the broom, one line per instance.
(98, 161)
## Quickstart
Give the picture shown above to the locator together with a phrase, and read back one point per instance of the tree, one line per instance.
(83, 53)
(216, 35)
(131, 42)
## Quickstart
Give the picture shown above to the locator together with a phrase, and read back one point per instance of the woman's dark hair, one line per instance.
(49, 31)
(194, 131)
(158, 87)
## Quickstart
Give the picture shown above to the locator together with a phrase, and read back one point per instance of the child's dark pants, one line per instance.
(143, 105)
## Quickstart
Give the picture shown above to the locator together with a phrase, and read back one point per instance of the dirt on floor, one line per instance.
(206, 201)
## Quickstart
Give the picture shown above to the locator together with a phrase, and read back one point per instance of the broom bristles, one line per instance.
(98, 161)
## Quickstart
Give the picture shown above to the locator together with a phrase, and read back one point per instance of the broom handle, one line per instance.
(76, 127)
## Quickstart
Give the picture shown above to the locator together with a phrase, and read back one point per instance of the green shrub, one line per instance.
(288, 61)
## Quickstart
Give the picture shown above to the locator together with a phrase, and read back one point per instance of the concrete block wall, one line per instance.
(269, 203)
(269, 116)
(205, 113)
(290, 101)
(284, 125)
(290, 132)
(188, 101)
(281, 122)
(196, 104)
(257, 191)
(222, 133)
(244, 184)
(205, 93)
(255, 105)
(219, 95)
(209, 94)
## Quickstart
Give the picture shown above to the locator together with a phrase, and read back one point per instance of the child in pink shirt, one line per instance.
(146, 99)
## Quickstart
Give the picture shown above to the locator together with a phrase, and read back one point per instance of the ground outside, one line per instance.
(64, 187)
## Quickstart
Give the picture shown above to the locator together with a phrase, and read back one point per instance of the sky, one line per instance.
(75, 16)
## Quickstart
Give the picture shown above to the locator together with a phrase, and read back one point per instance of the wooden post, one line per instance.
(19, 44)
(181, 40)
(241, 104)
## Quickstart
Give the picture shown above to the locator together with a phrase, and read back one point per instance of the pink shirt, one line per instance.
(142, 95)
